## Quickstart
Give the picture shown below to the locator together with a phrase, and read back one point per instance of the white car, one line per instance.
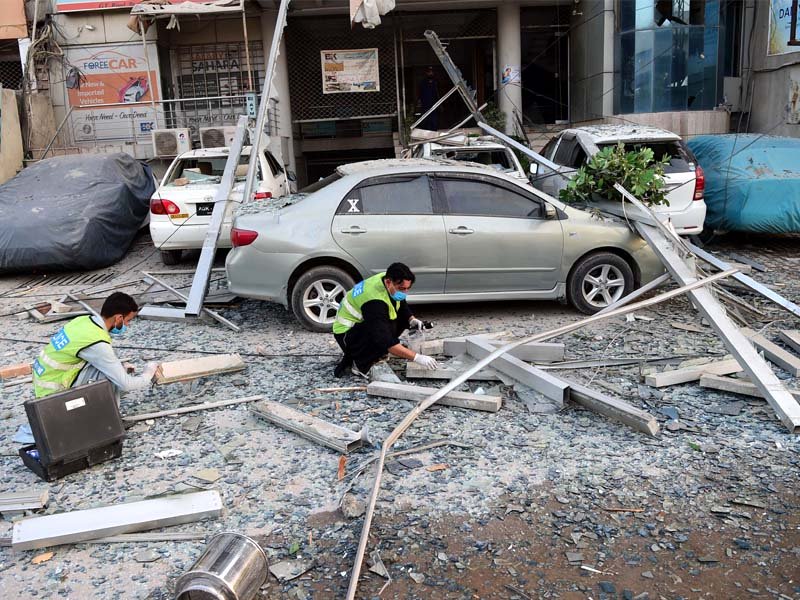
(684, 178)
(180, 209)
(492, 154)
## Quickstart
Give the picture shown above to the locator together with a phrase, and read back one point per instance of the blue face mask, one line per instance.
(118, 330)
(399, 296)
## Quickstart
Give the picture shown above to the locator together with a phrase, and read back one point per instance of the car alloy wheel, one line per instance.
(321, 300)
(602, 286)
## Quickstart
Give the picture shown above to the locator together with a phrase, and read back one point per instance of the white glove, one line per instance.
(426, 361)
(150, 370)
(415, 323)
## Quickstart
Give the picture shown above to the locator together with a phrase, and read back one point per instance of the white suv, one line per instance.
(683, 176)
(180, 209)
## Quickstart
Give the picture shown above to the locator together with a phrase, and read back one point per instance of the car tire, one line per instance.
(316, 296)
(598, 280)
(171, 257)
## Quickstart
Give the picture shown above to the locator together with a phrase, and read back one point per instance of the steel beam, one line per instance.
(197, 294)
(214, 315)
(748, 281)
(84, 525)
(682, 269)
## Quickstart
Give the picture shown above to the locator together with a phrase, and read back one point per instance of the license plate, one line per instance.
(205, 209)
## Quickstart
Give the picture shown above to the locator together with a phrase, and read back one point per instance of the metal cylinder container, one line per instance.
(232, 567)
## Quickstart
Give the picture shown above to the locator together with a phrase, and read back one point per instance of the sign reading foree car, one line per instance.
(780, 27)
(111, 74)
(347, 71)
(76, 5)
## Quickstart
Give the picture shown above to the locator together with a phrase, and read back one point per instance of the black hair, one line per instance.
(118, 303)
(398, 272)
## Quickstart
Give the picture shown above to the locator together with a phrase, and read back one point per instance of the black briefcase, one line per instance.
(73, 430)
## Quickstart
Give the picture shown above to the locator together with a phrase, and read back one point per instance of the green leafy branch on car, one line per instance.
(636, 170)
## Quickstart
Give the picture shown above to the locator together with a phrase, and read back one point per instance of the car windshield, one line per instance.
(497, 159)
(205, 170)
(679, 156)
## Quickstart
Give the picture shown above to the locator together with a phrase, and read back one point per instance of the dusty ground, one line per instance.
(715, 496)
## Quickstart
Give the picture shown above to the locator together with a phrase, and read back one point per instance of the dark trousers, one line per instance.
(359, 346)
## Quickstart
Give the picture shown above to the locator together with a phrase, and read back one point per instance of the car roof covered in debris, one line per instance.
(411, 164)
(601, 134)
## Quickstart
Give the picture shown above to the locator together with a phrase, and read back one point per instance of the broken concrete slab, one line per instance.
(337, 438)
(790, 337)
(545, 352)
(290, 569)
(417, 393)
(542, 382)
(693, 373)
(194, 368)
(613, 408)
(415, 371)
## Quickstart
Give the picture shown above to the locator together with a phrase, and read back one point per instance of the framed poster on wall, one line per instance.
(348, 71)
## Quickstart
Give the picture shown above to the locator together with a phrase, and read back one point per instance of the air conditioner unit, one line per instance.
(168, 143)
(217, 137)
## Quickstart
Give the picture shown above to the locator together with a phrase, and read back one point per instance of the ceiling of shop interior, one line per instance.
(341, 6)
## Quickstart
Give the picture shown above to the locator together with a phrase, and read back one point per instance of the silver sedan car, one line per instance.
(469, 234)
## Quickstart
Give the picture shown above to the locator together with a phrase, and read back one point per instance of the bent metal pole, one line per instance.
(453, 384)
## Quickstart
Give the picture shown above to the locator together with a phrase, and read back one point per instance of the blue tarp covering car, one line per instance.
(752, 182)
(73, 212)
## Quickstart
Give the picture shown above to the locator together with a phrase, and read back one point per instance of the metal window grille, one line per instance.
(219, 72)
(306, 37)
(10, 66)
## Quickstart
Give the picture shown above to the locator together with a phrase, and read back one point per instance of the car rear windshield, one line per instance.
(206, 169)
(493, 158)
(318, 185)
(679, 155)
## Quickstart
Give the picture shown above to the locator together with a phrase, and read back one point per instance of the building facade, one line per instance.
(348, 93)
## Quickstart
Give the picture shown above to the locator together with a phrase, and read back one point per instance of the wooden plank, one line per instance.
(415, 371)
(693, 373)
(613, 408)
(736, 386)
(17, 370)
(338, 438)
(191, 408)
(790, 337)
(417, 393)
(193, 368)
(82, 525)
(544, 383)
(774, 353)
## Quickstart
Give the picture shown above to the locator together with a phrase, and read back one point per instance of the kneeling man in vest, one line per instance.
(371, 317)
(81, 352)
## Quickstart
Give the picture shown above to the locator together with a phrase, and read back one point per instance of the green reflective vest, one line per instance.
(349, 313)
(58, 365)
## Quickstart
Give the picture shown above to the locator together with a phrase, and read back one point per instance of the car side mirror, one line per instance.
(550, 211)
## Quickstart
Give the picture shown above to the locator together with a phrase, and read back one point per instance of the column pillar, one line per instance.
(509, 57)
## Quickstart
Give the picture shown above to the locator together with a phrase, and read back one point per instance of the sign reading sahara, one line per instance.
(780, 27)
(350, 71)
(111, 74)
(75, 5)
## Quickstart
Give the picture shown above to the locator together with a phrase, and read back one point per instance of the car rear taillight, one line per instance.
(242, 237)
(262, 195)
(699, 183)
(160, 206)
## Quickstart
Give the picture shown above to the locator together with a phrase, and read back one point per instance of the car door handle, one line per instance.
(461, 230)
(355, 229)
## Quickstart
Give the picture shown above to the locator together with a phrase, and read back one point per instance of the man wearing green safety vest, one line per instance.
(371, 317)
(80, 352)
